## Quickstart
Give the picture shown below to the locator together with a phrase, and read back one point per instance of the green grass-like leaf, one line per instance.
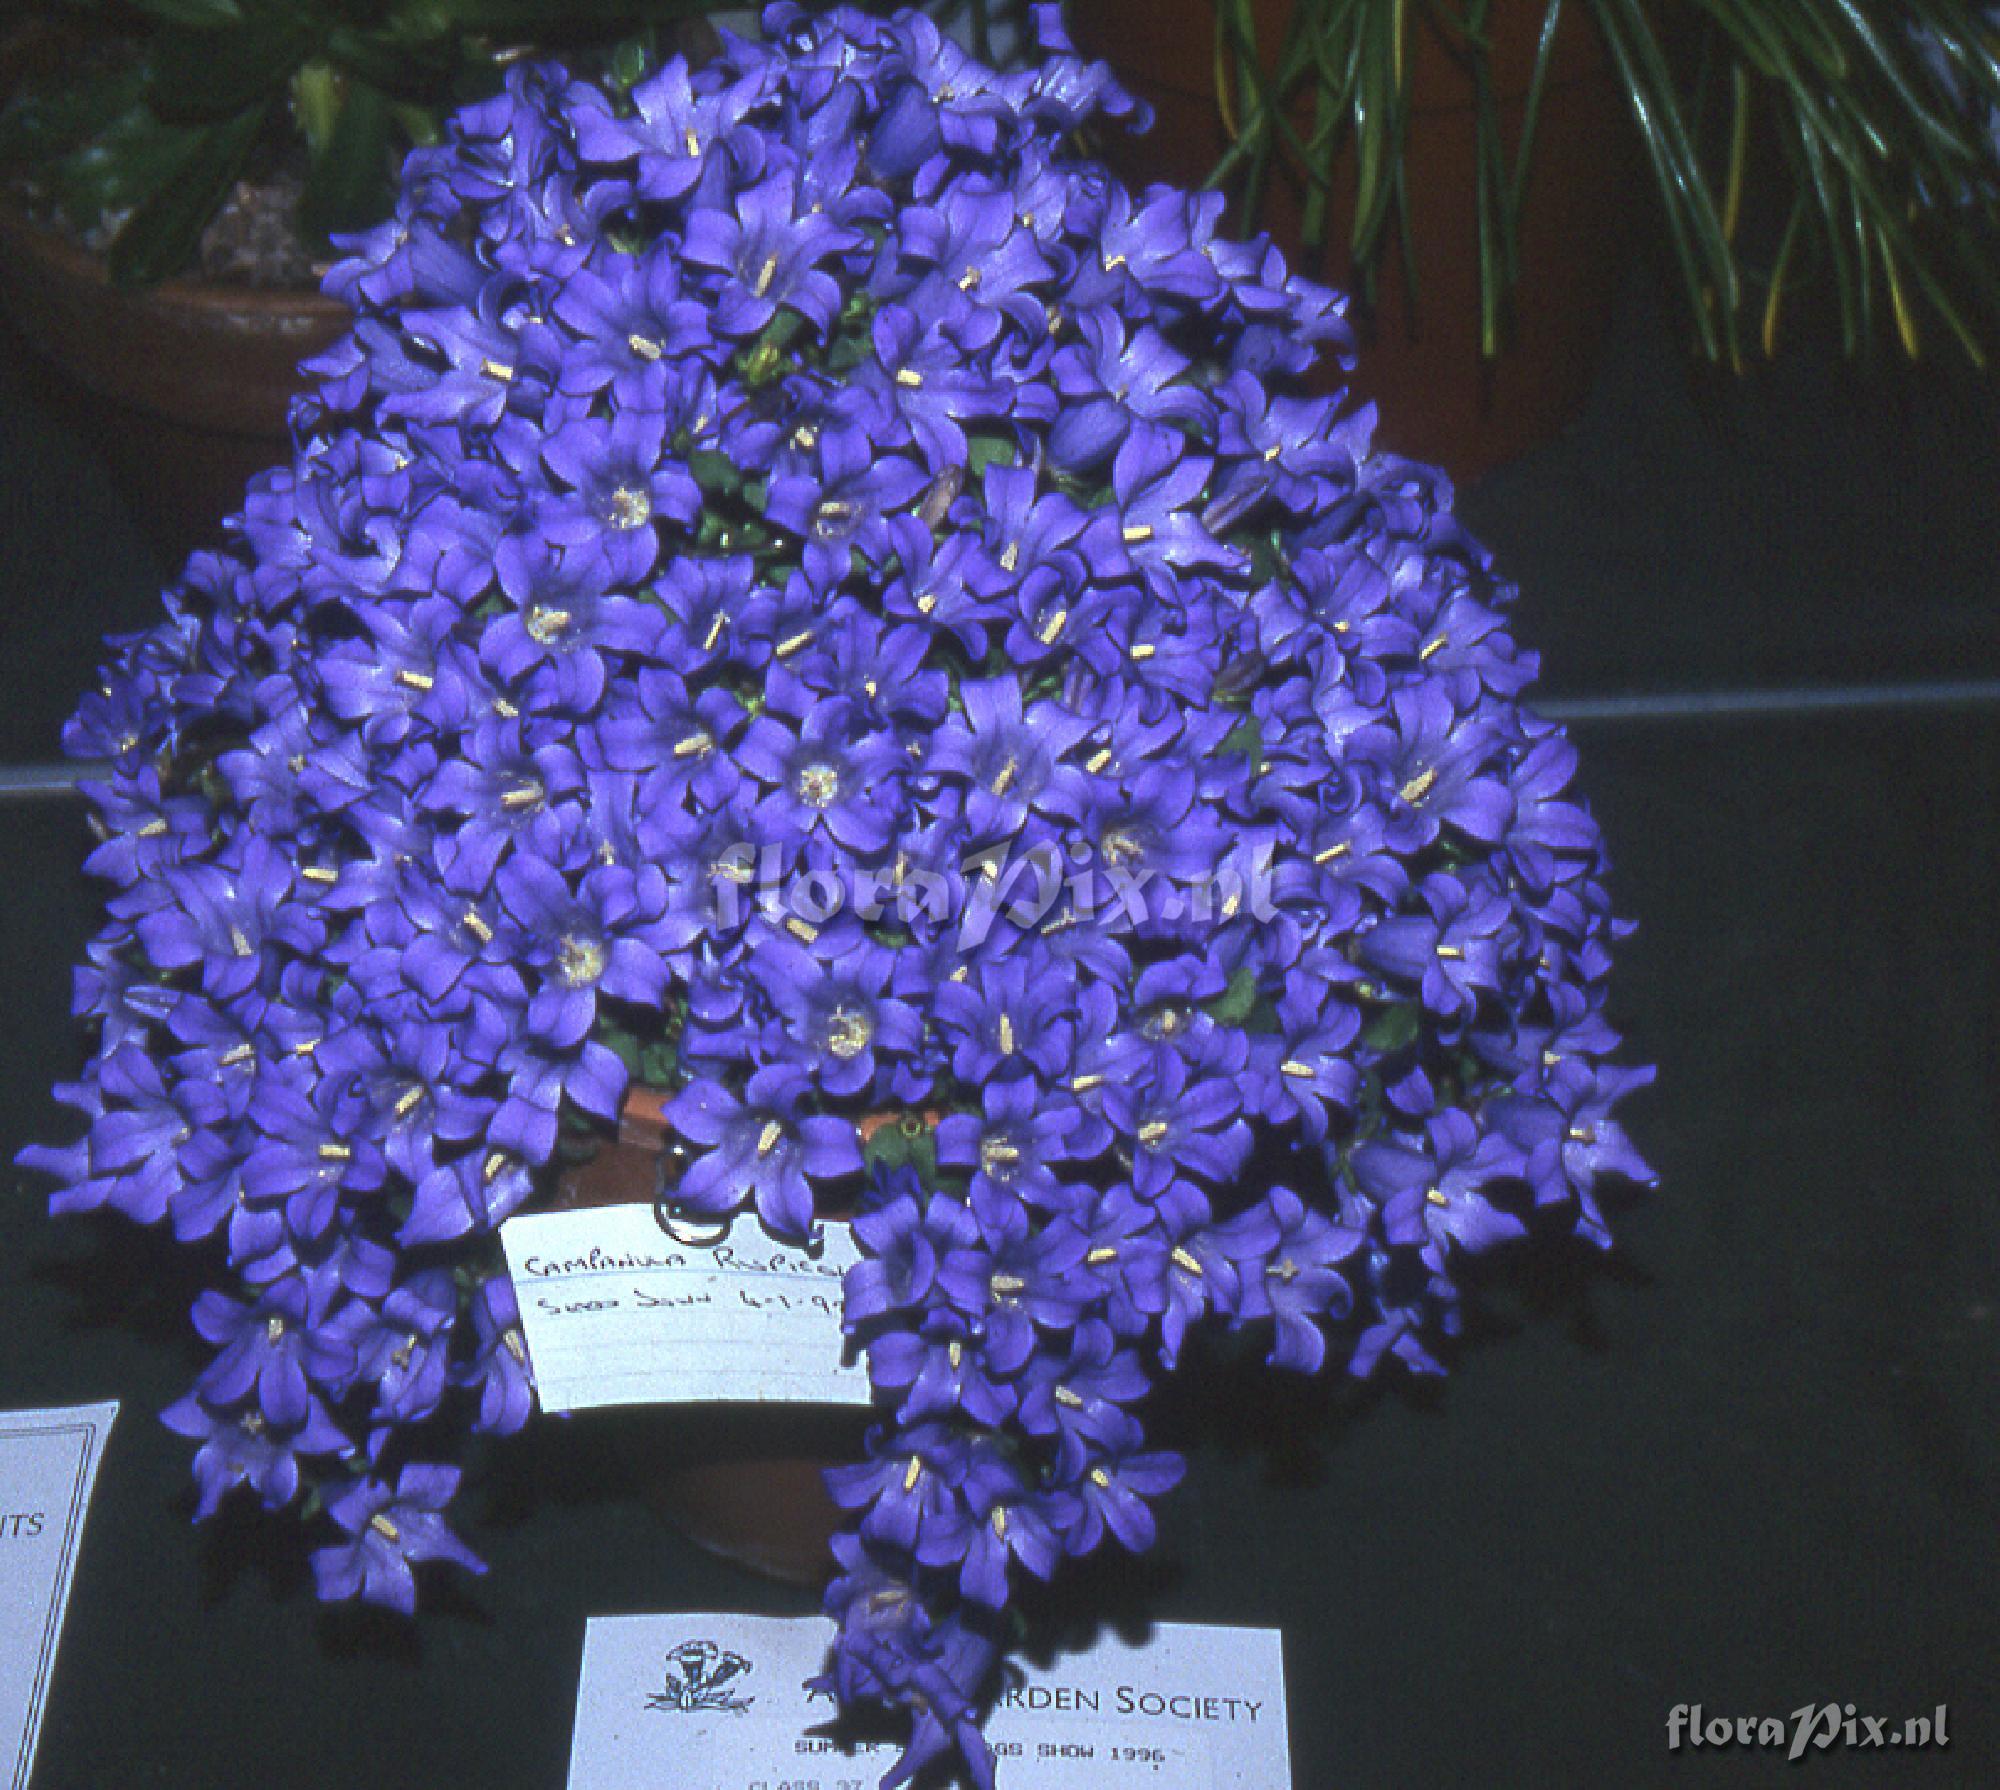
(161, 236)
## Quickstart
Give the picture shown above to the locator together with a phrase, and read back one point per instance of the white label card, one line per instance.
(48, 1463)
(616, 1312)
(672, 1701)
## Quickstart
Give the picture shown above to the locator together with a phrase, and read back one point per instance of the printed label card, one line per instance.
(48, 1464)
(720, 1701)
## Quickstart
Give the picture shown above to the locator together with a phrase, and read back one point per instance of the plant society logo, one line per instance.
(698, 1677)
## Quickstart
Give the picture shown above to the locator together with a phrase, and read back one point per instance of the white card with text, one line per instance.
(672, 1701)
(616, 1312)
(48, 1463)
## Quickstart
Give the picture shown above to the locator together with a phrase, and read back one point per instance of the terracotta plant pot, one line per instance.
(751, 1485)
(183, 386)
(1440, 399)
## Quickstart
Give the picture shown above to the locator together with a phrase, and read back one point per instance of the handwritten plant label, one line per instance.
(720, 1701)
(48, 1463)
(616, 1312)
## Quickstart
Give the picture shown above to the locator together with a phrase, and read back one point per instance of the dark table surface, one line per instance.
(1752, 1462)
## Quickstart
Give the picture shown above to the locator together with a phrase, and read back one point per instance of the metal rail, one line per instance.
(46, 782)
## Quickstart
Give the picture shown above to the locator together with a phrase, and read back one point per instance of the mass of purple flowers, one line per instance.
(810, 459)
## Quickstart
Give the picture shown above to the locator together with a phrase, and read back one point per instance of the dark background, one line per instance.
(1752, 1462)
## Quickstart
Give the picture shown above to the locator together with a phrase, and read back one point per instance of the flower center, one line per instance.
(818, 785)
(545, 624)
(848, 1032)
(629, 506)
(579, 961)
(998, 1157)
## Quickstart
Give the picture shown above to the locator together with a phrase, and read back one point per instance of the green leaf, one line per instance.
(350, 185)
(765, 358)
(198, 15)
(628, 64)
(199, 77)
(316, 90)
(905, 1142)
(540, 20)
(1235, 1003)
(659, 1065)
(982, 451)
(717, 474)
(420, 71)
(1245, 740)
(118, 169)
(622, 1044)
(1393, 1029)
(161, 236)
(46, 120)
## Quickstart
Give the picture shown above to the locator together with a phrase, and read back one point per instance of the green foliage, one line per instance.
(1884, 173)
(1234, 1005)
(178, 96)
(905, 1141)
